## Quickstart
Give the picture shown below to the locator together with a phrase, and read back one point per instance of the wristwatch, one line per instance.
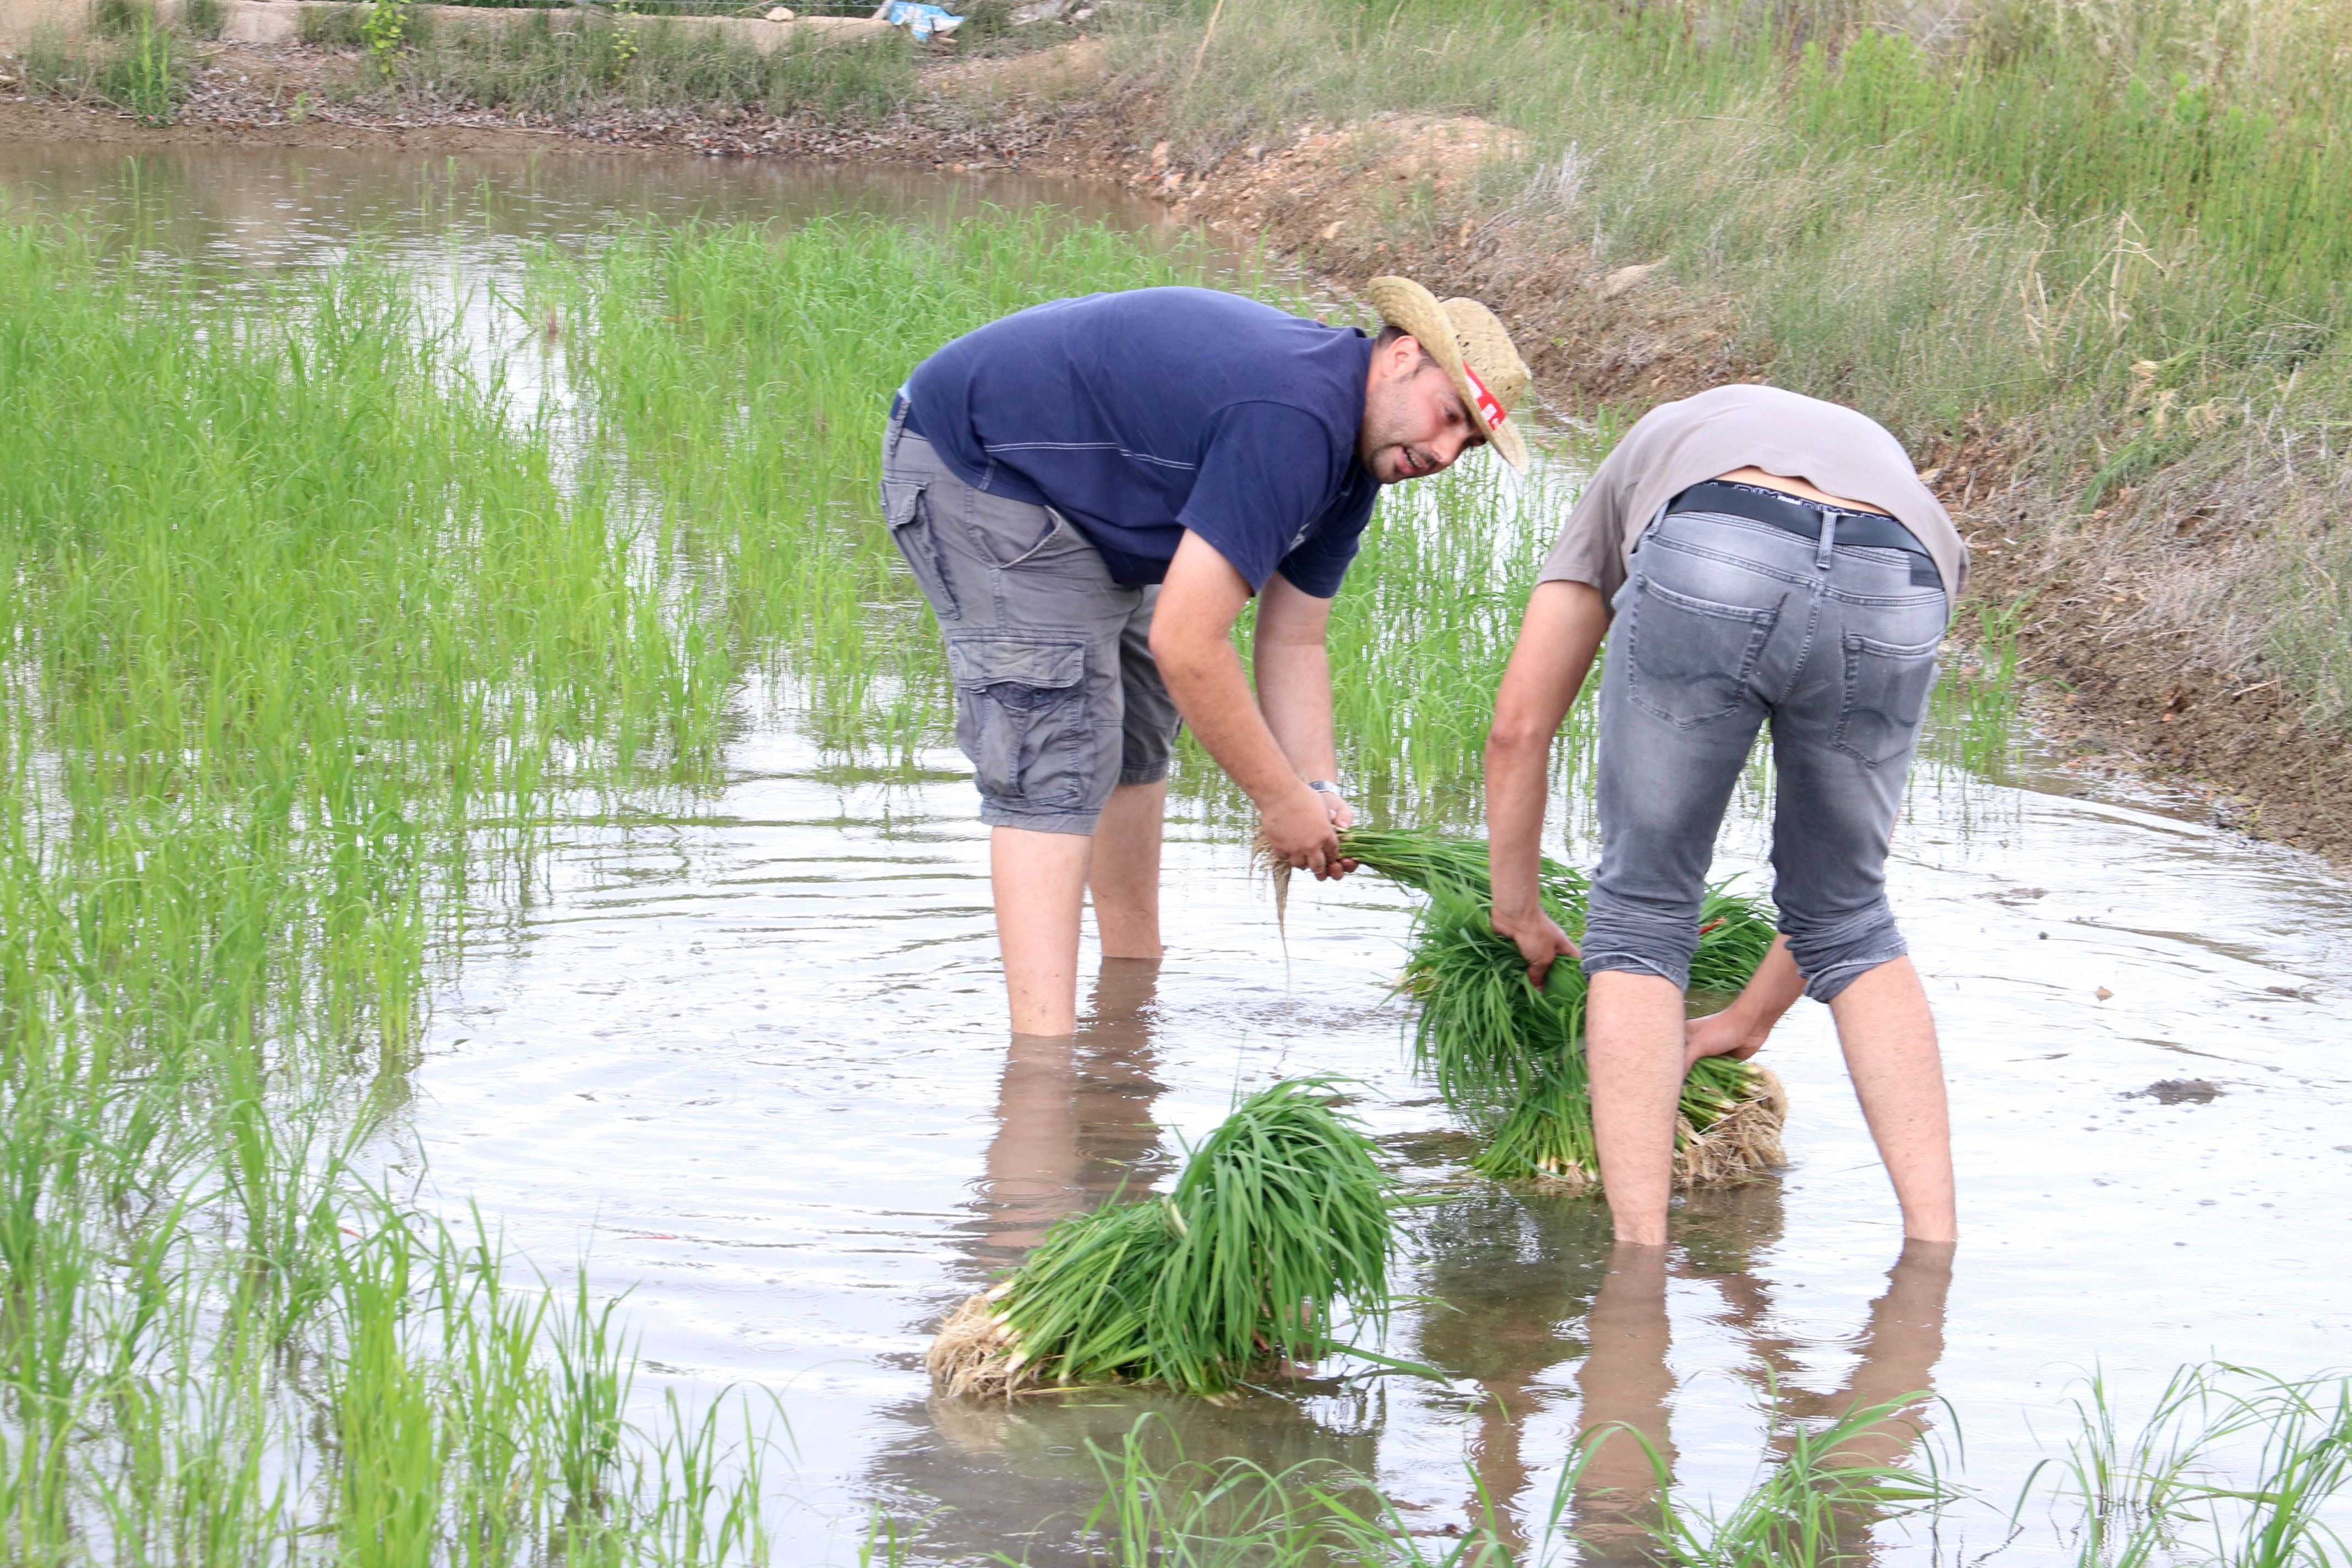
(1325, 786)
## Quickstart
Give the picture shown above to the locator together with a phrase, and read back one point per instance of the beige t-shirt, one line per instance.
(1677, 445)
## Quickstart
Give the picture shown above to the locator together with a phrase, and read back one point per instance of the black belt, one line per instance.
(1796, 515)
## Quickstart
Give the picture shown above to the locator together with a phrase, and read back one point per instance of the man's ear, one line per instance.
(1400, 358)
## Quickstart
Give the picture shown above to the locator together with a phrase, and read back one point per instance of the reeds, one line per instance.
(1280, 1216)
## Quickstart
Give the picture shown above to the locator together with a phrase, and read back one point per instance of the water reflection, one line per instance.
(1546, 1317)
(1627, 1387)
(1074, 1120)
(1074, 1126)
(247, 212)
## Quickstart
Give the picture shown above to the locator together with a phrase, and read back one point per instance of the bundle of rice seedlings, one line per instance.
(1509, 1059)
(1484, 1034)
(1437, 863)
(1278, 1216)
(1728, 1129)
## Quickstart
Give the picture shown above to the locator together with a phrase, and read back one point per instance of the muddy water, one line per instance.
(748, 1067)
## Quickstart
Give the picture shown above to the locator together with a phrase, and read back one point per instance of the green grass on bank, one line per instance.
(2109, 238)
(592, 65)
(140, 68)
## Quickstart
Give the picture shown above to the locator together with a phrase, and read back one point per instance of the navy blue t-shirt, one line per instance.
(1139, 415)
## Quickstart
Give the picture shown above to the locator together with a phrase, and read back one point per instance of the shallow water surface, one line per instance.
(748, 1065)
(755, 1065)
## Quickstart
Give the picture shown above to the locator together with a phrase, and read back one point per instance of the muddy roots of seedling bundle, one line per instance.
(1728, 1129)
(1279, 1217)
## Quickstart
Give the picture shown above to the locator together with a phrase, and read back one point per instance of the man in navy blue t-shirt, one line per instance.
(1089, 493)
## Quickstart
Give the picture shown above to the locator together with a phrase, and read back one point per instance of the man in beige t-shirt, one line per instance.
(1749, 554)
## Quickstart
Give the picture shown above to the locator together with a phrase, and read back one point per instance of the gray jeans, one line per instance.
(1724, 623)
(1057, 698)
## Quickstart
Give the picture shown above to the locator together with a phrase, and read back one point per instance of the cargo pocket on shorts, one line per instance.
(1021, 718)
(909, 514)
(1885, 696)
(1691, 658)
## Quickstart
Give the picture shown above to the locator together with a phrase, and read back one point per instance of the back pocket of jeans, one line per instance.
(1885, 696)
(1691, 658)
(1021, 718)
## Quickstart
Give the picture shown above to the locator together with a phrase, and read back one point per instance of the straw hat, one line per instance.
(1464, 337)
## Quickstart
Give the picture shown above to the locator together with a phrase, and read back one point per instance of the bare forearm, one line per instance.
(1558, 638)
(1191, 628)
(1517, 791)
(1770, 992)
(1294, 692)
(1206, 683)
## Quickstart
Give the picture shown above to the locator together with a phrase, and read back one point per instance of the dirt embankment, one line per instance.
(1401, 194)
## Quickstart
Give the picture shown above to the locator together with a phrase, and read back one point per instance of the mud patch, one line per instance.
(2177, 1091)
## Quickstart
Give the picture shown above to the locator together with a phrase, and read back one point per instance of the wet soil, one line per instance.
(1398, 193)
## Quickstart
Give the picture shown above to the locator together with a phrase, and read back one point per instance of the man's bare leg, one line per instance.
(1126, 874)
(1889, 1039)
(1040, 881)
(1634, 1043)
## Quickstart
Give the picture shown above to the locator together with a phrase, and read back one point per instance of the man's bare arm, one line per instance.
(1192, 631)
(1559, 637)
(1293, 664)
(1739, 1030)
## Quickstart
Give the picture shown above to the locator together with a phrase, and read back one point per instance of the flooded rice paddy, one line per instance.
(741, 1058)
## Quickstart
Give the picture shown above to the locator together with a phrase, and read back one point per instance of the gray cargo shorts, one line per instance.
(1057, 698)
(1724, 625)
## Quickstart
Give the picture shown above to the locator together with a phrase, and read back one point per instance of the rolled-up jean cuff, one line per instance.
(1639, 964)
(1151, 775)
(1077, 822)
(1836, 978)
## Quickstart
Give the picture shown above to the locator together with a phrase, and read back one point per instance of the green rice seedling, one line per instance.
(305, 641)
(1483, 1033)
(1726, 1125)
(1735, 933)
(1280, 1216)
(1436, 863)
(1159, 1507)
(2132, 1492)
(2304, 1465)
(1813, 1505)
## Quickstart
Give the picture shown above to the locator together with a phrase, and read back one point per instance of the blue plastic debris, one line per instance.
(922, 21)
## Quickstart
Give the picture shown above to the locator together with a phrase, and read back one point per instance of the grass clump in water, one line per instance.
(1279, 1217)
